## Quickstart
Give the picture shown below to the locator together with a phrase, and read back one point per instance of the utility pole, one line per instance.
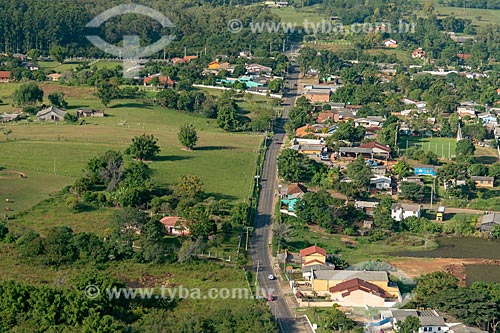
(257, 274)
(246, 243)
(54, 165)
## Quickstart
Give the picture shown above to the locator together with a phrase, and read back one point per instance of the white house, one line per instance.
(430, 320)
(381, 182)
(400, 211)
(51, 114)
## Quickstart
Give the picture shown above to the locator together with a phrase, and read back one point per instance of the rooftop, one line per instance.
(311, 250)
(345, 275)
(406, 207)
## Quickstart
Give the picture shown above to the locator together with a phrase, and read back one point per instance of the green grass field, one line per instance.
(311, 14)
(69, 65)
(477, 15)
(443, 147)
(53, 154)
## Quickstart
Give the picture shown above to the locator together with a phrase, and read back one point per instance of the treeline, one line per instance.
(477, 304)
(379, 10)
(484, 4)
(27, 308)
(41, 25)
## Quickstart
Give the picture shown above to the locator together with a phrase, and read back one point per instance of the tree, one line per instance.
(189, 187)
(106, 92)
(349, 132)
(70, 117)
(59, 247)
(57, 99)
(294, 167)
(189, 250)
(409, 325)
(432, 284)
(58, 53)
(413, 191)
(337, 320)
(239, 70)
(401, 169)
(475, 132)
(3, 231)
(144, 147)
(239, 214)
(187, 136)
(282, 232)
(495, 231)
(6, 132)
(314, 208)
(465, 148)
(28, 94)
(153, 246)
(199, 222)
(359, 172)
(34, 54)
(275, 85)
(227, 114)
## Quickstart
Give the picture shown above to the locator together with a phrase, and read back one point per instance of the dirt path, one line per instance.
(414, 267)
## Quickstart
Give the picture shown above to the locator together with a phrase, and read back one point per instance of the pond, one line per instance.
(485, 273)
(454, 247)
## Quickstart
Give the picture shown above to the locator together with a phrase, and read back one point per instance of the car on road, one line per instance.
(271, 277)
(270, 298)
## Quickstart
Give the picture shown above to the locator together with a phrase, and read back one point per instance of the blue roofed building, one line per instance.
(425, 170)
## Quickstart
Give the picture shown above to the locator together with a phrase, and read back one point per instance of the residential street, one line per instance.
(263, 221)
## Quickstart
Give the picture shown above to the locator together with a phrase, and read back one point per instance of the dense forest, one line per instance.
(36, 24)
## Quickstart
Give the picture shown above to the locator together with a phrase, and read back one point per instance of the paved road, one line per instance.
(260, 240)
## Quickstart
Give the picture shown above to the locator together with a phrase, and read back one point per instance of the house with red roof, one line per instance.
(174, 225)
(159, 81)
(313, 255)
(184, 59)
(418, 53)
(378, 149)
(464, 56)
(325, 116)
(357, 292)
(5, 76)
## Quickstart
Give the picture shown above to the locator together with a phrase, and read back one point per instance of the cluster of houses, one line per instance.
(320, 284)
(430, 321)
(348, 288)
(53, 113)
(256, 77)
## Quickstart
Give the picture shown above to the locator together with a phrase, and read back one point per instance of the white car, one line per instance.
(270, 277)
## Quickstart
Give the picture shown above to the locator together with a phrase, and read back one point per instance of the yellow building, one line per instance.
(484, 182)
(323, 280)
(313, 255)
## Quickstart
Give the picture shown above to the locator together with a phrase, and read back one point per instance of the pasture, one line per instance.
(70, 64)
(478, 16)
(53, 154)
(299, 16)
